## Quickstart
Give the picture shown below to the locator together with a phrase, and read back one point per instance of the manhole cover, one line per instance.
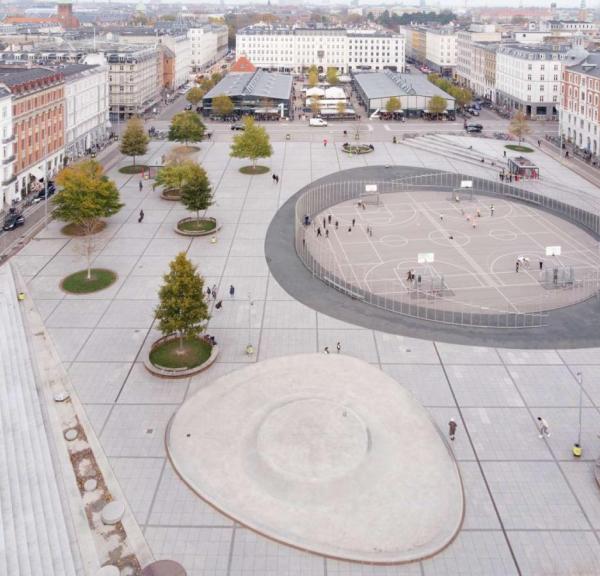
(71, 434)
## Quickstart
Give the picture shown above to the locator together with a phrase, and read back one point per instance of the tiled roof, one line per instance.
(12, 76)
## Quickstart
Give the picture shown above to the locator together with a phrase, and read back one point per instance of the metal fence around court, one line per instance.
(578, 208)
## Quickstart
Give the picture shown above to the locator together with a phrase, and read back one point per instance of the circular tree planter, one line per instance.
(189, 149)
(171, 194)
(76, 230)
(356, 148)
(133, 169)
(254, 170)
(518, 148)
(163, 359)
(193, 227)
(78, 282)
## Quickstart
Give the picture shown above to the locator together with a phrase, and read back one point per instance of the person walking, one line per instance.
(517, 266)
(337, 224)
(319, 231)
(141, 185)
(325, 142)
(273, 178)
(541, 264)
(452, 429)
(219, 305)
(324, 223)
(338, 347)
(492, 210)
(353, 222)
(543, 426)
(329, 217)
(208, 292)
(326, 350)
(231, 290)
(141, 216)
(327, 233)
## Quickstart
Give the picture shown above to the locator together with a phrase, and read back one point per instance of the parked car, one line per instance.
(317, 122)
(13, 220)
(473, 111)
(238, 126)
(188, 107)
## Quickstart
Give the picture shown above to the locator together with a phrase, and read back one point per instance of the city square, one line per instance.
(529, 507)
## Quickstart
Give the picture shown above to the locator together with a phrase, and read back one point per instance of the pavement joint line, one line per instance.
(156, 489)
(231, 548)
(556, 461)
(480, 467)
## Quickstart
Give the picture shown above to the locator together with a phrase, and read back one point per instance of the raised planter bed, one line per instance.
(133, 169)
(519, 148)
(171, 194)
(75, 230)
(254, 170)
(78, 282)
(177, 371)
(186, 227)
(357, 148)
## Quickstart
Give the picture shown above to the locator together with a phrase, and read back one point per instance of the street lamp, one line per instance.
(577, 450)
(249, 346)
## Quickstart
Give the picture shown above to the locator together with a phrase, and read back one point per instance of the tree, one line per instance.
(215, 78)
(332, 76)
(252, 143)
(437, 105)
(85, 196)
(519, 126)
(186, 127)
(341, 107)
(315, 106)
(206, 85)
(196, 192)
(174, 175)
(182, 309)
(222, 105)
(313, 76)
(392, 105)
(134, 141)
(194, 95)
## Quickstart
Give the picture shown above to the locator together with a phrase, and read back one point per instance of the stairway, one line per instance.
(34, 529)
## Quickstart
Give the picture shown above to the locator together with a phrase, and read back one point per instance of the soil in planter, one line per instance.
(76, 230)
(519, 148)
(254, 169)
(174, 194)
(195, 351)
(137, 169)
(203, 225)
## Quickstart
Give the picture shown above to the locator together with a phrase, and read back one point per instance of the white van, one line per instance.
(317, 122)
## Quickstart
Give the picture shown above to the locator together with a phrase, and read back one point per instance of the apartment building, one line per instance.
(580, 104)
(86, 106)
(38, 117)
(471, 57)
(208, 44)
(296, 49)
(135, 79)
(7, 152)
(528, 78)
(415, 42)
(440, 50)
(181, 66)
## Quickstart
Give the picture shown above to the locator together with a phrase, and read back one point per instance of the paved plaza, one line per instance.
(530, 508)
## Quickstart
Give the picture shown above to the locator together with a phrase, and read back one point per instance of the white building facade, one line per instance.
(208, 44)
(181, 47)
(440, 51)
(7, 152)
(296, 49)
(86, 107)
(470, 61)
(528, 78)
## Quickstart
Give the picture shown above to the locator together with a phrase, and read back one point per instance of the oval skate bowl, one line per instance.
(321, 452)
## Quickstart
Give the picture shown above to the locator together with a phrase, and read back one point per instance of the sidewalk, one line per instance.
(572, 163)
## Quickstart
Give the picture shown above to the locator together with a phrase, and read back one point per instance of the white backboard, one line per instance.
(425, 258)
(371, 188)
(466, 183)
(553, 250)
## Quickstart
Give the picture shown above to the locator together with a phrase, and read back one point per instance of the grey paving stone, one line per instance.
(529, 356)
(138, 477)
(141, 387)
(591, 380)
(427, 382)
(533, 496)
(77, 314)
(561, 553)
(546, 385)
(358, 343)
(339, 568)
(461, 447)
(275, 343)
(457, 354)
(98, 382)
(580, 476)
(479, 509)
(505, 434)
(112, 345)
(288, 314)
(254, 555)
(201, 551)
(473, 554)
(473, 389)
(97, 415)
(129, 314)
(69, 341)
(395, 349)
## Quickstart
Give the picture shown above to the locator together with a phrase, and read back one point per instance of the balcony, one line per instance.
(8, 139)
(10, 180)
(8, 160)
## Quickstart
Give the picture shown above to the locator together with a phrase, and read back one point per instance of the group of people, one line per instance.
(212, 293)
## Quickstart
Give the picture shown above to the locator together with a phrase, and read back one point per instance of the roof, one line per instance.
(4, 92)
(35, 522)
(12, 76)
(590, 66)
(243, 65)
(386, 84)
(258, 83)
(75, 69)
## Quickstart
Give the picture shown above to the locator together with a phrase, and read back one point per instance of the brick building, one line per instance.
(38, 116)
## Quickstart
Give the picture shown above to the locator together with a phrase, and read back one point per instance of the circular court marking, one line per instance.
(503, 235)
(448, 238)
(353, 470)
(394, 240)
